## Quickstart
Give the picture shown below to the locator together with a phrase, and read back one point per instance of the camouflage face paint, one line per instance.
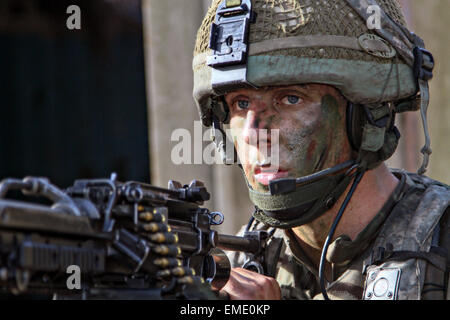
(312, 132)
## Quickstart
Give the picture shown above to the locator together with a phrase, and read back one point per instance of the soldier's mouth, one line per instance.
(264, 176)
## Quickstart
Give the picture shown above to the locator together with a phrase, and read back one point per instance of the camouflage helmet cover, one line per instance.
(313, 41)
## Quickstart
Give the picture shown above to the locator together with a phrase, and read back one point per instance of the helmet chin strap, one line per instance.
(294, 202)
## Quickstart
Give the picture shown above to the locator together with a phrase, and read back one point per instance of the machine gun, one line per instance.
(128, 240)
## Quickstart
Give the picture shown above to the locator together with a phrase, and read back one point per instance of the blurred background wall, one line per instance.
(429, 19)
(84, 103)
(170, 28)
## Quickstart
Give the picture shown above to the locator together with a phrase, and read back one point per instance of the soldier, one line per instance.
(316, 72)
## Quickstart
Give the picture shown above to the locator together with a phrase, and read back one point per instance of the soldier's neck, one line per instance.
(369, 197)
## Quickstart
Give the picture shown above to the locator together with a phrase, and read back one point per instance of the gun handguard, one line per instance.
(117, 234)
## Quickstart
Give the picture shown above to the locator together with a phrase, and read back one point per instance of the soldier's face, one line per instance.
(305, 122)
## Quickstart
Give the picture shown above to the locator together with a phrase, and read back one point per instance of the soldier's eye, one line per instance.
(243, 104)
(291, 99)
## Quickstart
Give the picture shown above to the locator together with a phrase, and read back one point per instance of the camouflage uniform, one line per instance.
(416, 212)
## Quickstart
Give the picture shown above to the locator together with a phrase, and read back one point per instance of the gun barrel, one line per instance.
(236, 243)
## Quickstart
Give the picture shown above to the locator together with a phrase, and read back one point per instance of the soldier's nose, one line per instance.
(250, 131)
(255, 131)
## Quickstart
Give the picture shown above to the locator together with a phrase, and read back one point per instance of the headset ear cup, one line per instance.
(355, 123)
